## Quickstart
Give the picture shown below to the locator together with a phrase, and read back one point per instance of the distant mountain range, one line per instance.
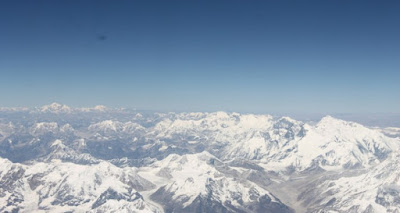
(57, 158)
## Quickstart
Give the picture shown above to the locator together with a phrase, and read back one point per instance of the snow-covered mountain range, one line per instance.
(57, 158)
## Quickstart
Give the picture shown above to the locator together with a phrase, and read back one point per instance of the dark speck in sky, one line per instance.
(102, 37)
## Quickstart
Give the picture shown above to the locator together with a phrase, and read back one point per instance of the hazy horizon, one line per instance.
(369, 119)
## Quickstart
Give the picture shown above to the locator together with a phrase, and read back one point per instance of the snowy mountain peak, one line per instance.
(177, 161)
(100, 108)
(334, 122)
(56, 108)
(194, 180)
(106, 125)
(57, 143)
(222, 115)
(43, 128)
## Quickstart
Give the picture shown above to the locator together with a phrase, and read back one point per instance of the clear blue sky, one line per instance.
(247, 56)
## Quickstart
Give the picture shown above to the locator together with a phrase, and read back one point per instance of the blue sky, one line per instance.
(246, 56)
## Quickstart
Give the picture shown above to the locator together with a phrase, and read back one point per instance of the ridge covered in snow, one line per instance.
(58, 186)
(56, 108)
(101, 159)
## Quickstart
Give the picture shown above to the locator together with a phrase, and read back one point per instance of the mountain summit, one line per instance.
(56, 108)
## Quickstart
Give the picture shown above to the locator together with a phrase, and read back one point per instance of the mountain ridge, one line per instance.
(185, 162)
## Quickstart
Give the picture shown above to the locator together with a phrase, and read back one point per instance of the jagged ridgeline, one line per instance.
(62, 159)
